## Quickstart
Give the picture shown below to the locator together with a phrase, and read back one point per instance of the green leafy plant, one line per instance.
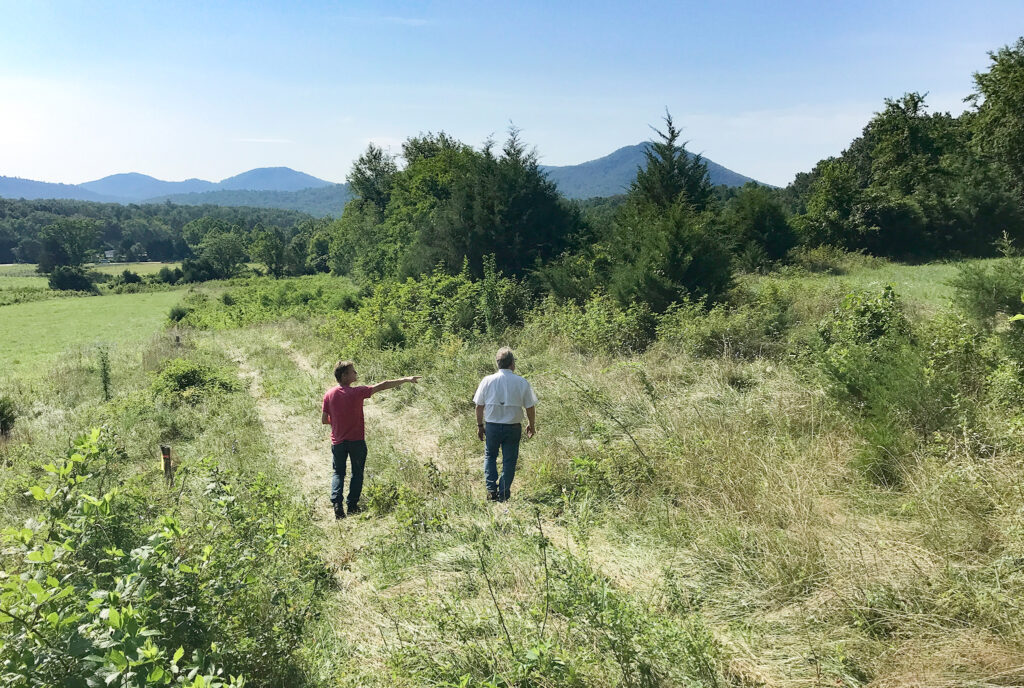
(8, 414)
(185, 380)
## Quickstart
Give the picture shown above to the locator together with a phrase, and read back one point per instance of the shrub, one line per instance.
(169, 276)
(864, 318)
(182, 379)
(959, 361)
(126, 277)
(66, 278)
(178, 313)
(866, 354)
(382, 496)
(600, 325)
(986, 291)
(107, 590)
(750, 329)
(8, 414)
(1006, 385)
(832, 260)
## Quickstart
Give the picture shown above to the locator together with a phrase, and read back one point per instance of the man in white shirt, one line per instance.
(500, 400)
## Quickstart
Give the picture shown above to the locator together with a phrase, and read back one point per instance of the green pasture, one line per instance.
(33, 333)
(148, 268)
(925, 288)
(20, 276)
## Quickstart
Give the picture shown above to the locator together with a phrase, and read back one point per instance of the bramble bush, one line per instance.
(902, 383)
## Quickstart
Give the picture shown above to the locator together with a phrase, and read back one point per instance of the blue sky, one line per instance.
(211, 89)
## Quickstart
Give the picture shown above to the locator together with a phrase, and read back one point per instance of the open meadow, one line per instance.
(38, 332)
(724, 504)
(142, 269)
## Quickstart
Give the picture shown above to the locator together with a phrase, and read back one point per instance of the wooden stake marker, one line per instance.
(165, 461)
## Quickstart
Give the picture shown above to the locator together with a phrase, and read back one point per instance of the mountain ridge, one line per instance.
(612, 174)
(283, 187)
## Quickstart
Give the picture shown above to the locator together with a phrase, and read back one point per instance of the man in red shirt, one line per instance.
(343, 411)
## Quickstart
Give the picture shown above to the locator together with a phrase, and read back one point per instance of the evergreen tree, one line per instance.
(671, 173)
(372, 176)
(664, 240)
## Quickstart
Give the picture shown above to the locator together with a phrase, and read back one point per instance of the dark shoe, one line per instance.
(355, 510)
(492, 496)
(339, 513)
(504, 497)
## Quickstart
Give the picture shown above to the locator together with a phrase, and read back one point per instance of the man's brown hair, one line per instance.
(341, 368)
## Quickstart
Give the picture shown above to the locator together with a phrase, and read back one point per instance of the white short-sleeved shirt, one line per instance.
(504, 395)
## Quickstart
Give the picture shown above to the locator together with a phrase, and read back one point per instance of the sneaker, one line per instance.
(355, 510)
(339, 513)
(492, 496)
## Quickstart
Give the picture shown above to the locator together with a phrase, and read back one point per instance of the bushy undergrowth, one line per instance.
(600, 325)
(798, 472)
(985, 291)
(8, 414)
(66, 278)
(262, 300)
(185, 380)
(106, 586)
(833, 260)
(751, 326)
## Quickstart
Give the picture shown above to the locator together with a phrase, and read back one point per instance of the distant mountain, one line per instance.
(613, 174)
(272, 179)
(15, 187)
(288, 189)
(133, 186)
(320, 202)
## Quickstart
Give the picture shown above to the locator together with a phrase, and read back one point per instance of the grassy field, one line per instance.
(926, 288)
(21, 276)
(34, 333)
(709, 511)
(148, 268)
(27, 270)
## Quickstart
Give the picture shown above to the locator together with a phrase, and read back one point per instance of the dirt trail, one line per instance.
(303, 450)
(302, 443)
(299, 450)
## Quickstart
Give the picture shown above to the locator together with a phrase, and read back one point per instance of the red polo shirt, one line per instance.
(344, 406)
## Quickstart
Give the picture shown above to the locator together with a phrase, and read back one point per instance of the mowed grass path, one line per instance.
(33, 333)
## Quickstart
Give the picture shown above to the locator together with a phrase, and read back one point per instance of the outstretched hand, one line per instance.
(413, 379)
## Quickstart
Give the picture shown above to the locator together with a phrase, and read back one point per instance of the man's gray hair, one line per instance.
(505, 358)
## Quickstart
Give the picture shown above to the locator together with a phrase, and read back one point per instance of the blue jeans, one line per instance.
(505, 437)
(341, 451)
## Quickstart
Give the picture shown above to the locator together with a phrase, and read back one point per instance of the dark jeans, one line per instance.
(357, 450)
(504, 437)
